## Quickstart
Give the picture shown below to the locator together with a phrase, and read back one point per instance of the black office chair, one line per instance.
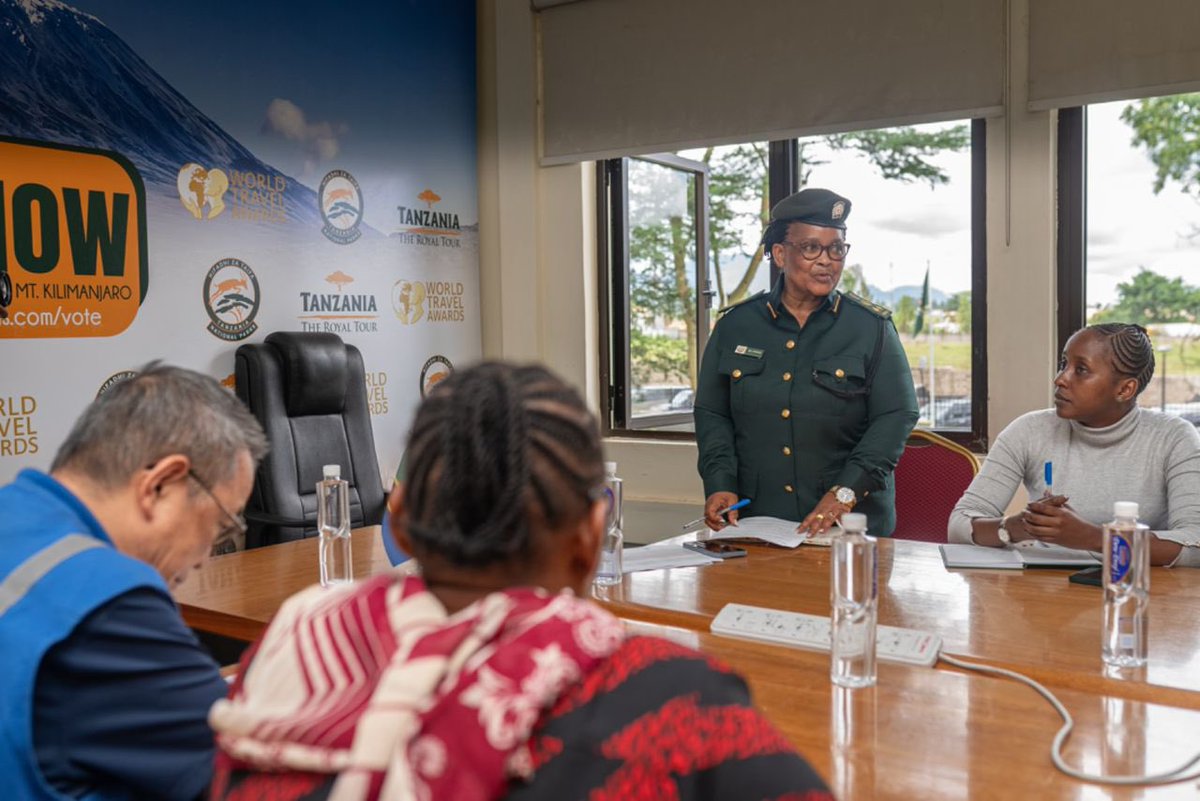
(308, 390)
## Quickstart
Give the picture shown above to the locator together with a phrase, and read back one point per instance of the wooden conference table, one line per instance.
(922, 732)
(934, 734)
(1031, 620)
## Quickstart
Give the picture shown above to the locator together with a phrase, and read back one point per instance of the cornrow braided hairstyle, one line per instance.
(775, 233)
(495, 448)
(1132, 353)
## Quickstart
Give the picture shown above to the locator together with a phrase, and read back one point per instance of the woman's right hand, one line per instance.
(713, 507)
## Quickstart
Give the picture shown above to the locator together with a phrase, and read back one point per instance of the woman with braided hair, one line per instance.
(1103, 448)
(490, 676)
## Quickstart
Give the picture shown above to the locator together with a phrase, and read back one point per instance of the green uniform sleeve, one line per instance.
(891, 415)
(714, 424)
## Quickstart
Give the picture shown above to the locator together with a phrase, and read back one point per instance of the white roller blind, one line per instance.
(1087, 51)
(639, 76)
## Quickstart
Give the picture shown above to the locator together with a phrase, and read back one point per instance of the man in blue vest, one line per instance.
(106, 692)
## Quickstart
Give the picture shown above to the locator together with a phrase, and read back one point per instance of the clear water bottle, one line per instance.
(608, 572)
(854, 592)
(333, 526)
(1126, 587)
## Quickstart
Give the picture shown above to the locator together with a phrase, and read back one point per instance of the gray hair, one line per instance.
(162, 410)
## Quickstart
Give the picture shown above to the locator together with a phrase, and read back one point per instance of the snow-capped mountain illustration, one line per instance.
(67, 78)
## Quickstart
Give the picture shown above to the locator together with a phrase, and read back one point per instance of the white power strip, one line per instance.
(812, 632)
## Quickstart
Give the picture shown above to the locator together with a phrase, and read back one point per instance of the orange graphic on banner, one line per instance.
(72, 240)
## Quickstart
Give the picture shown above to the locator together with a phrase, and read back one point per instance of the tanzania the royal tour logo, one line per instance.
(18, 437)
(232, 297)
(424, 226)
(341, 207)
(435, 370)
(72, 241)
(252, 196)
(377, 399)
(339, 312)
(113, 380)
(435, 301)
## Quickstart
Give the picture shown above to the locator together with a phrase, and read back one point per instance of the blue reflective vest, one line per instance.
(56, 567)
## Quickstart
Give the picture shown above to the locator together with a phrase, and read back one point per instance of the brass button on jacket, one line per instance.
(737, 374)
(791, 343)
(788, 488)
(786, 413)
(787, 376)
(787, 451)
(839, 373)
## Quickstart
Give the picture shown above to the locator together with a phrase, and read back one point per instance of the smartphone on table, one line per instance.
(721, 550)
(1091, 575)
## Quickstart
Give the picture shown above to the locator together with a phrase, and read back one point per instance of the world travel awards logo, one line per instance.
(341, 207)
(377, 397)
(429, 226)
(434, 301)
(18, 437)
(252, 196)
(232, 298)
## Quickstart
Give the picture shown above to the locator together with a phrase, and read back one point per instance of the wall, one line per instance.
(247, 168)
(539, 274)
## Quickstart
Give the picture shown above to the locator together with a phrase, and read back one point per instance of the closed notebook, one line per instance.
(979, 556)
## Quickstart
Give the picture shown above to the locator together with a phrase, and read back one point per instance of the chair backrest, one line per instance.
(930, 477)
(308, 390)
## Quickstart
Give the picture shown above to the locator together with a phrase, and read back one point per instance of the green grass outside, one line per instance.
(1183, 358)
(945, 353)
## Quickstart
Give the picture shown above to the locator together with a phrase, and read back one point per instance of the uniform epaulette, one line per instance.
(874, 308)
(742, 302)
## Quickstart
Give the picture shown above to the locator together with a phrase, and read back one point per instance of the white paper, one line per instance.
(657, 557)
(767, 529)
(980, 556)
(1040, 555)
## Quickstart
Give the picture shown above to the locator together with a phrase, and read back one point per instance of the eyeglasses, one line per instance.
(813, 250)
(237, 524)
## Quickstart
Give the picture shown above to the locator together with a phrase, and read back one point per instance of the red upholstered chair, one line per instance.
(931, 476)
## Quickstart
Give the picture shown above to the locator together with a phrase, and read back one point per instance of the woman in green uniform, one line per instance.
(805, 397)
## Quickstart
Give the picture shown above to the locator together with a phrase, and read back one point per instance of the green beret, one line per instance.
(815, 207)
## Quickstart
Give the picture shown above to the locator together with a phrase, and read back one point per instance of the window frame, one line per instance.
(783, 180)
(1072, 223)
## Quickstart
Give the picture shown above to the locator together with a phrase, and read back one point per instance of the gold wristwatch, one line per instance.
(844, 496)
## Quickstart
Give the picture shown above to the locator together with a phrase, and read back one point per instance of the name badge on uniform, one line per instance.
(746, 350)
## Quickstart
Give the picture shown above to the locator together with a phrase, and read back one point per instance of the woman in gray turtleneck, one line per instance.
(1103, 449)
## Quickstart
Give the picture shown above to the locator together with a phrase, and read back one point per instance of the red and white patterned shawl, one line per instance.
(376, 683)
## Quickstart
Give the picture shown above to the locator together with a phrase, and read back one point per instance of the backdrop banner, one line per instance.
(177, 179)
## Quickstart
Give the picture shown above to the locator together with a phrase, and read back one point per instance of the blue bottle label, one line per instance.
(1122, 557)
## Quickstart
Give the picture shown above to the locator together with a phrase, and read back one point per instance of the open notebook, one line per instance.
(979, 556)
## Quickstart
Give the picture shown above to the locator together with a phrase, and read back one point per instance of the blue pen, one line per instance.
(1049, 477)
(699, 520)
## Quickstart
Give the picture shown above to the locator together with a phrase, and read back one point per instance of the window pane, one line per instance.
(738, 210)
(910, 223)
(662, 289)
(1143, 242)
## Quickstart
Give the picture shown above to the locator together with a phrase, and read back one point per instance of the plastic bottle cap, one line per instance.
(1125, 509)
(332, 471)
(610, 468)
(853, 521)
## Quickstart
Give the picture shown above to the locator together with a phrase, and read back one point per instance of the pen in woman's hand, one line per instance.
(699, 520)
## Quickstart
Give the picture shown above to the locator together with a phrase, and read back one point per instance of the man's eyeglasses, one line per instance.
(237, 524)
(813, 250)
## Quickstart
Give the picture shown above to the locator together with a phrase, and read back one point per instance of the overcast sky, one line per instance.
(896, 228)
